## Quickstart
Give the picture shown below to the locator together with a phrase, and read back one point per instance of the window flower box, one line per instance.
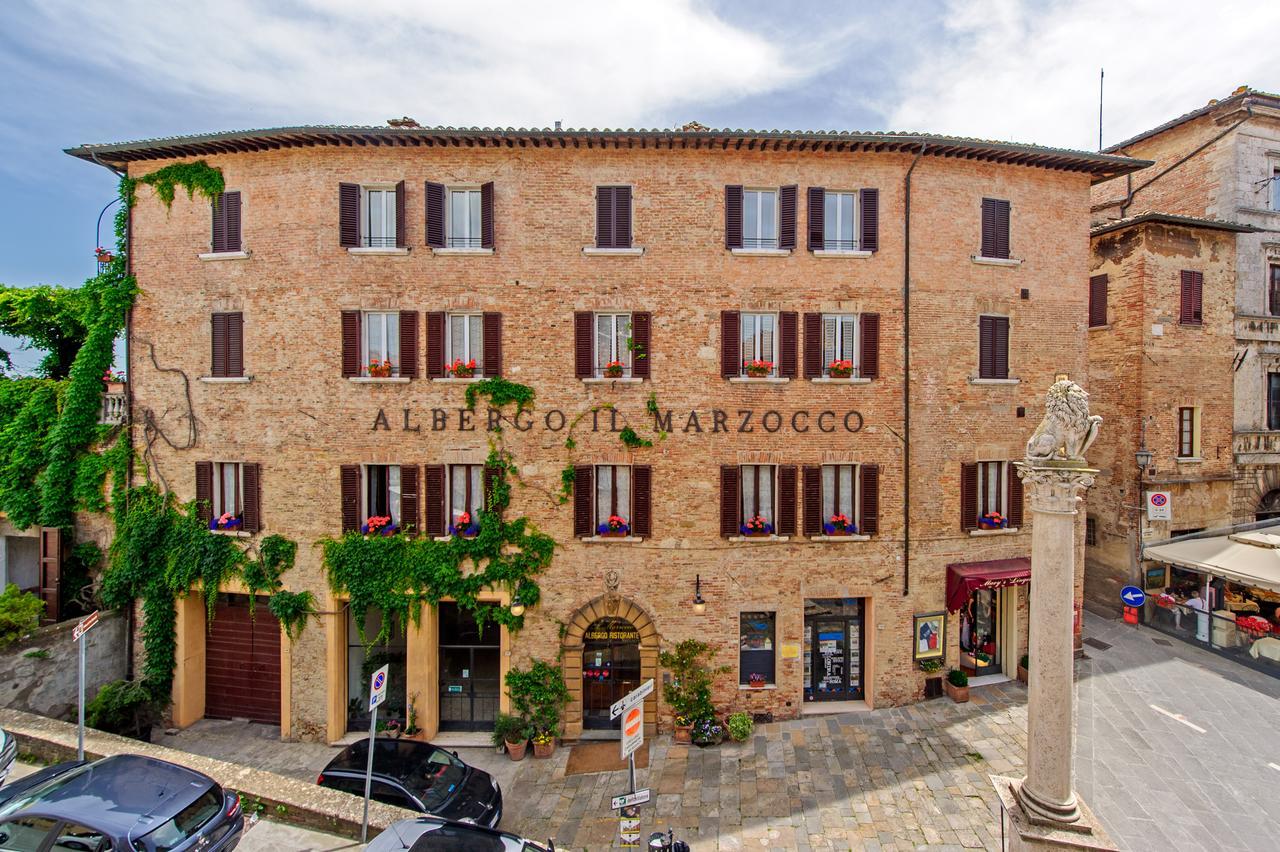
(757, 369)
(840, 525)
(840, 369)
(756, 680)
(460, 369)
(379, 369)
(226, 521)
(379, 525)
(103, 255)
(756, 526)
(993, 521)
(465, 526)
(114, 381)
(615, 527)
(614, 370)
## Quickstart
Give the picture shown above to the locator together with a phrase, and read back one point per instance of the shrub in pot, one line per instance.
(512, 733)
(538, 696)
(740, 726)
(683, 730)
(1024, 666)
(957, 686)
(689, 691)
(707, 732)
(544, 743)
(123, 707)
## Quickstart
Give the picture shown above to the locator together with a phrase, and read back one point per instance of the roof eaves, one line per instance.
(1194, 114)
(1172, 219)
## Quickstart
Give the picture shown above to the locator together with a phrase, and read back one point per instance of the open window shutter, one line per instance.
(641, 500)
(51, 551)
(1097, 301)
(1002, 229)
(869, 201)
(435, 215)
(251, 517)
(583, 497)
(813, 500)
(989, 227)
(812, 346)
(786, 500)
(1001, 347)
(219, 337)
(869, 332)
(409, 498)
(435, 344)
(401, 240)
(350, 498)
(641, 337)
(433, 499)
(604, 217)
(730, 344)
(409, 344)
(1015, 496)
(986, 347)
(235, 344)
(486, 215)
(350, 343)
(817, 217)
(787, 217)
(968, 496)
(492, 344)
(492, 478)
(730, 522)
(1192, 297)
(870, 499)
(349, 214)
(1198, 295)
(231, 204)
(204, 491)
(733, 217)
(218, 206)
(584, 330)
(622, 217)
(788, 322)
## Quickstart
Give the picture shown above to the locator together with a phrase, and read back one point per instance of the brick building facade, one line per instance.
(536, 251)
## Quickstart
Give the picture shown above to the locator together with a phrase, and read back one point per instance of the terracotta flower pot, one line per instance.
(544, 749)
(115, 387)
(1022, 674)
(959, 694)
(683, 734)
(516, 751)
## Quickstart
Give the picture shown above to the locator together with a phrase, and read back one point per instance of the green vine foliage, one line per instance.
(632, 439)
(500, 392)
(194, 177)
(292, 609)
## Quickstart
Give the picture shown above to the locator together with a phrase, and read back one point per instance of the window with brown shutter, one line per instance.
(492, 344)
(350, 343)
(641, 344)
(584, 344)
(433, 488)
(486, 215)
(869, 508)
(435, 344)
(613, 217)
(204, 491)
(349, 215)
(814, 346)
(869, 201)
(350, 490)
(434, 220)
(642, 501)
(869, 346)
(228, 341)
(730, 349)
(815, 210)
(786, 500)
(583, 495)
(729, 509)
(993, 347)
(226, 223)
(493, 475)
(733, 217)
(251, 492)
(1191, 312)
(812, 490)
(409, 498)
(995, 228)
(468, 496)
(788, 342)
(1097, 301)
(787, 217)
(1016, 499)
(758, 498)
(401, 239)
(968, 496)
(409, 344)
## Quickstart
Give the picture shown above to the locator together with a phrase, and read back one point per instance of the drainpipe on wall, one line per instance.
(906, 374)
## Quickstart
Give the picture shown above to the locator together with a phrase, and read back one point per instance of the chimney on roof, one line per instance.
(403, 122)
(557, 124)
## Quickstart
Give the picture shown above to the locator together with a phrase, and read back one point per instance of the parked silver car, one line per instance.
(8, 753)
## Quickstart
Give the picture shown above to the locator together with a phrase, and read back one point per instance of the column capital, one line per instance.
(1054, 487)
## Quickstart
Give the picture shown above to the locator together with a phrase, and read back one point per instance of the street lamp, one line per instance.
(517, 603)
(1143, 457)
(699, 604)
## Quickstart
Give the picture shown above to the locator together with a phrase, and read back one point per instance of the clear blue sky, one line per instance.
(1025, 70)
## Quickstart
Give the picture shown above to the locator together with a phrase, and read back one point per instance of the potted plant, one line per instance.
(225, 521)
(756, 525)
(460, 369)
(613, 370)
(840, 369)
(932, 669)
(411, 728)
(707, 732)
(380, 369)
(1024, 667)
(379, 525)
(757, 368)
(615, 527)
(391, 727)
(689, 690)
(103, 255)
(465, 526)
(756, 680)
(114, 381)
(538, 696)
(840, 525)
(740, 726)
(683, 730)
(544, 744)
(957, 686)
(512, 733)
(993, 521)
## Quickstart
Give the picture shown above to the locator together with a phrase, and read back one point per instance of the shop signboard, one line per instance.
(1159, 506)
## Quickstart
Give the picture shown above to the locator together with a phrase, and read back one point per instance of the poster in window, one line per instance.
(927, 636)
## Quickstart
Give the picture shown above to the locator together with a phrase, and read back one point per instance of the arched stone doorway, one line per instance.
(615, 627)
(1268, 506)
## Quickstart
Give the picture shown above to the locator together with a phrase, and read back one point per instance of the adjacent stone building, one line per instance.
(557, 259)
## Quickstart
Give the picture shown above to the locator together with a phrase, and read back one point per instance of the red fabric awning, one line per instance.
(964, 578)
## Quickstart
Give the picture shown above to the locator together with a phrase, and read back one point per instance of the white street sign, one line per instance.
(626, 800)
(632, 729)
(378, 687)
(632, 697)
(85, 625)
(1159, 506)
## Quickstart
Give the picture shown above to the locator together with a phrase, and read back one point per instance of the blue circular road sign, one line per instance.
(1133, 596)
(379, 680)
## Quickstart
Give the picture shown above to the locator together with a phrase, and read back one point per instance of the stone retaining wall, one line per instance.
(38, 673)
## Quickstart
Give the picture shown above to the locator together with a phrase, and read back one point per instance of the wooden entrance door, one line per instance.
(242, 662)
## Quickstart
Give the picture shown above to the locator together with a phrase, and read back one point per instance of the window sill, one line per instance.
(233, 533)
(377, 250)
(224, 255)
(379, 380)
(611, 539)
(1106, 327)
(995, 261)
(226, 380)
(852, 380)
(1189, 459)
(462, 251)
(455, 380)
(840, 538)
(763, 380)
(977, 381)
(758, 252)
(605, 380)
(841, 253)
(1005, 531)
(746, 687)
(739, 539)
(595, 251)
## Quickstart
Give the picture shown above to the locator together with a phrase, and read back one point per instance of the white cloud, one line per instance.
(479, 62)
(1028, 72)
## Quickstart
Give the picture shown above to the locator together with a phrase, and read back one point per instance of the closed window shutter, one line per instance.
(583, 344)
(409, 344)
(231, 204)
(986, 347)
(1192, 297)
(642, 501)
(869, 522)
(1001, 347)
(730, 349)
(604, 217)
(988, 227)
(435, 214)
(219, 337)
(218, 206)
(733, 217)
(409, 498)
(641, 341)
(813, 500)
(204, 491)
(788, 322)
(350, 498)
(787, 217)
(435, 344)
(869, 331)
(817, 218)
(869, 201)
(622, 217)
(1002, 229)
(349, 215)
(235, 344)
(350, 343)
(1097, 301)
(492, 344)
(729, 506)
(492, 477)
(486, 215)
(968, 496)
(433, 499)
(583, 498)
(786, 500)
(812, 346)
(251, 480)
(1015, 497)
(401, 240)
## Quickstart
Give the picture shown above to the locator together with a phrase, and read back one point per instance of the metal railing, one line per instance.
(115, 409)
(840, 245)
(760, 242)
(465, 242)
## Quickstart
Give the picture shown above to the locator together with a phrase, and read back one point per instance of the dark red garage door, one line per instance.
(242, 662)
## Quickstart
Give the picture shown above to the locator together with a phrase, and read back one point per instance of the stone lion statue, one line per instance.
(1067, 429)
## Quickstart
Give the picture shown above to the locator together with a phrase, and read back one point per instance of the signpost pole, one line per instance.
(80, 700)
(368, 776)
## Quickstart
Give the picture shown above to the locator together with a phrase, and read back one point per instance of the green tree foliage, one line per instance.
(52, 319)
(19, 614)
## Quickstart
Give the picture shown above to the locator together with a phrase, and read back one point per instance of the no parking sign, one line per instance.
(1159, 506)
(378, 688)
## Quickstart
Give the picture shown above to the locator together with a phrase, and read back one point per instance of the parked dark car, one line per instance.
(126, 803)
(8, 753)
(418, 776)
(432, 834)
